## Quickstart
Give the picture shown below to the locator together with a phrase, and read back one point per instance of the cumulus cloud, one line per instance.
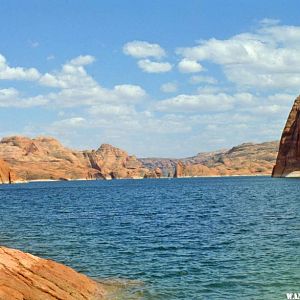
(142, 49)
(149, 66)
(169, 87)
(112, 110)
(196, 103)
(265, 58)
(78, 88)
(129, 91)
(16, 73)
(70, 123)
(11, 97)
(196, 79)
(82, 60)
(189, 66)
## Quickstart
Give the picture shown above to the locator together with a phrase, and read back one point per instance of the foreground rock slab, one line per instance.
(24, 276)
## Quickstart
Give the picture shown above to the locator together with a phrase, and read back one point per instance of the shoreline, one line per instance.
(140, 178)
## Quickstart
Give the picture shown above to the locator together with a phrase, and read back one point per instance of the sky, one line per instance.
(159, 78)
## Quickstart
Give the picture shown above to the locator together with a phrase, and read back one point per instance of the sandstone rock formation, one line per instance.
(44, 158)
(193, 170)
(156, 173)
(166, 165)
(245, 159)
(114, 163)
(6, 174)
(24, 276)
(288, 159)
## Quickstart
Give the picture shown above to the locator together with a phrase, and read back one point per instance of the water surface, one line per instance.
(198, 238)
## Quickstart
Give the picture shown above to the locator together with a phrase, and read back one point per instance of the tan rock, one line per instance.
(245, 159)
(24, 276)
(6, 174)
(288, 159)
(192, 170)
(45, 158)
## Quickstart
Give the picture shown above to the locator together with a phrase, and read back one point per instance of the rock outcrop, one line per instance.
(193, 170)
(245, 159)
(44, 158)
(6, 174)
(114, 163)
(288, 159)
(24, 276)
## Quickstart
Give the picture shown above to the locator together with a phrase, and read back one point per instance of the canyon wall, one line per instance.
(288, 159)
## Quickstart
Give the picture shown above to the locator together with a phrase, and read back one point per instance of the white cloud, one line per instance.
(16, 73)
(50, 57)
(82, 60)
(112, 110)
(11, 97)
(149, 66)
(169, 87)
(196, 79)
(142, 49)
(74, 122)
(129, 91)
(189, 66)
(34, 44)
(196, 103)
(266, 58)
(78, 88)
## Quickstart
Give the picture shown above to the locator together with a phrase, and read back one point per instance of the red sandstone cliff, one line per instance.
(6, 174)
(245, 159)
(45, 158)
(288, 159)
(24, 276)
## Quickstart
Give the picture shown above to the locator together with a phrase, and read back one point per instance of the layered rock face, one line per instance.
(114, 163)
(24, 276)
(192, 170)
(288, 159)
(6, 174)
(245, 159)
(45, 158)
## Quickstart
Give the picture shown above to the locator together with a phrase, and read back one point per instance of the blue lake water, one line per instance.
(198, 238)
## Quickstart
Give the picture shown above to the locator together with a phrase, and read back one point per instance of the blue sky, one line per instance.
(156, 78)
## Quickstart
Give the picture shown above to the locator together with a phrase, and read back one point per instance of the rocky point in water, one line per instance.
(288, 159)
(24, 276)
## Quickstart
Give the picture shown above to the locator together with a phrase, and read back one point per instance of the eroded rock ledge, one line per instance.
(24, 276)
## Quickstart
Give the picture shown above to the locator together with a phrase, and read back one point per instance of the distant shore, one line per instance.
(136, 178)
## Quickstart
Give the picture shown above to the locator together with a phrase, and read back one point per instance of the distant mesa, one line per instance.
(245, 159)
(288, 159)
(45, 158)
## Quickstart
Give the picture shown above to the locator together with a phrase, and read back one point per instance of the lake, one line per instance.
(194, 238)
